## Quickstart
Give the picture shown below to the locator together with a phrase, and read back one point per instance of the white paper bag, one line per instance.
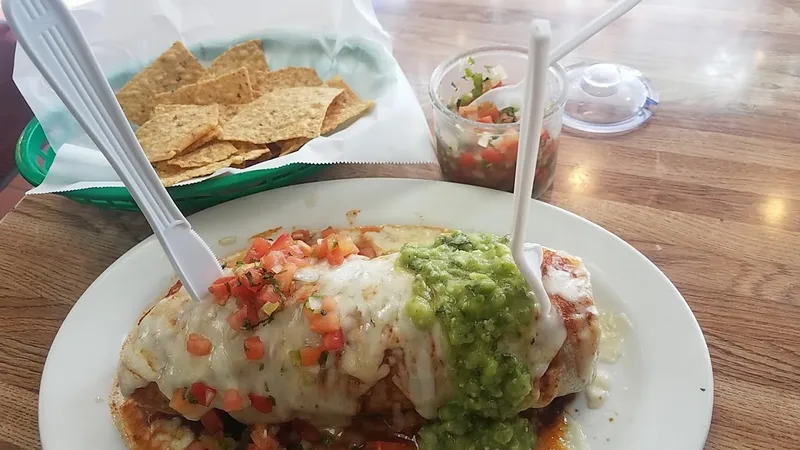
(335, 37)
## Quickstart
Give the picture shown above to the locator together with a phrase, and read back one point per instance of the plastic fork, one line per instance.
(528, 257)
(50, 36)
(510, 95)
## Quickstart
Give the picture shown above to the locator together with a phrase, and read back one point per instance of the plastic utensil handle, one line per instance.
(50, 36)
(532, 116)
(592, 28)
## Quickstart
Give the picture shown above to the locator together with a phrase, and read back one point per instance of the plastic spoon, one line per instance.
(50, 36)
(511, 95)
(528, 257)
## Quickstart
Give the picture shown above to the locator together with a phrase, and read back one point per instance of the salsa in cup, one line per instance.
(477, 143)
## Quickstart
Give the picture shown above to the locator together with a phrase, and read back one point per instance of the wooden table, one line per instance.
(709, 190)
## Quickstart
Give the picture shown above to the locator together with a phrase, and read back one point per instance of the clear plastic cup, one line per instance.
(485, 154)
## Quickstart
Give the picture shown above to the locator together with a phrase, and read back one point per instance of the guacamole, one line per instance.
(470, 284)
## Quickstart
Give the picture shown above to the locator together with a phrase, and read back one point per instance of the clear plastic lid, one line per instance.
(607, 98)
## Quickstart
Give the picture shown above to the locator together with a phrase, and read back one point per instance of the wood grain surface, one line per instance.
(709, 190)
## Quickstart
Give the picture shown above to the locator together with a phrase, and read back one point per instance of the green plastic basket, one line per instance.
(34, 157)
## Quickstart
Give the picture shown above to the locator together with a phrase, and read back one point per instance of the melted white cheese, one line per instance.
(371, 295)
(598, 390)
(613, 330)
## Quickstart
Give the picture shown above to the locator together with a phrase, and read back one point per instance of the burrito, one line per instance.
(385, 337)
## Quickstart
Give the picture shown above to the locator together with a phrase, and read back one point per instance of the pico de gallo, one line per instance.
(486, 157)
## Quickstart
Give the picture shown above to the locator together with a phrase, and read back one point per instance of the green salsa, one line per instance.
(470, 284)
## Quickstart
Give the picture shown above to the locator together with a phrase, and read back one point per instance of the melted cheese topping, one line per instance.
(379, 340)
(613, 330)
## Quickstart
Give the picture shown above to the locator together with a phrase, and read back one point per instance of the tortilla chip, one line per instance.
(246, 146)
(248, 54)
(344, 108)
(174, 68)
(266, 82)
(202, 140)
(165, 135)
(229, 89)
(252, 154)
(173, 175)
(291, 145)
(226, 112)
(204, 155)
(281, 115)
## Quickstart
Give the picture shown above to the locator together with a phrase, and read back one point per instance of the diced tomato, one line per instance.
(385, 445)
(221, 289)
(325, 320)
(508, 142)
(367, 250)
(339, 247)
(268, 294)
(327, 232)
(253, 348)
(321, 249)
(231, 400)
(282, 242)
(305, 248)
(303, 292)
(192, 411)
(485, 119)
(299, 262)
(237, 319)
(491, 155)
(333, 341)
(212, 422)
(241, 290)
(301, 235)
(259, 248)
(262, 440)
(273, 261)
(488, 109)
(469, 112)
(202, 393)
(295, 251)
(309, 356)
(261, 403)
(467, 160)
(198, 345)
(335, 257)
(284, 277)
(196, 445)
(252, 279)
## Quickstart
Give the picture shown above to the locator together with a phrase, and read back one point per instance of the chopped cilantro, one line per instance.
(470, 61)
(453, 83)
(261, 367)
(247, 326)
(239, 263)
(224, 264)
(249, 277)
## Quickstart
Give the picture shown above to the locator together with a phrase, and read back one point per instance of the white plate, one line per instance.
(663, 388)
